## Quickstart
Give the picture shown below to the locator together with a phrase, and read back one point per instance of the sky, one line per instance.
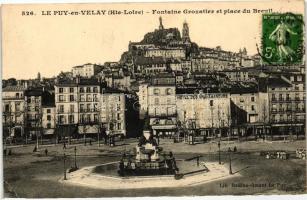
(50, 44)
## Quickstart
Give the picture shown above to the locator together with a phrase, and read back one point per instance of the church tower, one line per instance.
(185, 32)
(161, 25)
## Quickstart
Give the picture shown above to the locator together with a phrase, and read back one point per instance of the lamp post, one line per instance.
(76, 157)
(219, 146)
(229, 154)
(65, 178)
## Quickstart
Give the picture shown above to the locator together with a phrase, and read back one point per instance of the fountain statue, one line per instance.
(149, 159)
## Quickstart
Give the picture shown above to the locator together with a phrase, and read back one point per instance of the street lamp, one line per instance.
(229, 155)
(76, 158)
(64, 167)
(219, 145)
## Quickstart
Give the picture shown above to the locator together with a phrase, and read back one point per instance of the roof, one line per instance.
(109, 90)
(278, 82)
(149, 60)
(76, 82)
(34, 92)
(13, 88)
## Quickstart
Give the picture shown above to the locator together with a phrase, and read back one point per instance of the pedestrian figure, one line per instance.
(90, 142)
(171, 154)
(229, 150)
(235, 149)
(64, 145)
(10, 152)
(46, 152)
(197, 160)
(35, 149)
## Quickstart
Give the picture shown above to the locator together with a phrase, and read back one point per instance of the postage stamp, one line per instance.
(282, 38)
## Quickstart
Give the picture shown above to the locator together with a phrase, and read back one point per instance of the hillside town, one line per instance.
(165, 83)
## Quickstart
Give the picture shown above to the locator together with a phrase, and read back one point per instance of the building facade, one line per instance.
(112, 112)
(13, 111)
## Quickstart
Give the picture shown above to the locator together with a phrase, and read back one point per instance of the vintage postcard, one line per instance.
(153, 99)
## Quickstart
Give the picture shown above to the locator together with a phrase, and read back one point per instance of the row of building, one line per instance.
(276, 105)
(78, 106)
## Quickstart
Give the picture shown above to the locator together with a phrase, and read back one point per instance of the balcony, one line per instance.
(84, 110)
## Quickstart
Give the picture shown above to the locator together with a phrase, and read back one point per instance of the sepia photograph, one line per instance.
(153, 99)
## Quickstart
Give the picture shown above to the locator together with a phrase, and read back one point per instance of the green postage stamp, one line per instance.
(282, 38)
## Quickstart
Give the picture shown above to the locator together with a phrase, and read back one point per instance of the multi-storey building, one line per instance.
(209, 113)
(143, 100)
(13, 111)
(237, 74)
(150, 65)
(287, 104)
(169, 52)
(87, 70)
(250, 111)
(48, 119)
(112, 111)
(162, 104)
(33, 99)
(77, 105)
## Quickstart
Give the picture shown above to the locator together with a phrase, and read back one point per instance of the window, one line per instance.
(88, 97)
(71, 98)
(280, 97)
(81, 107)
(96, 118)
(36, 108)
(95, 97)
(288, 97)
(71, 90)
(82, 97)
(61, 98)
(118, 116)
(168, 91)
(61, 108)
(48, 125)
(17, 95)
(156, 91)
(61, 119)
(211, 102)
(48, 117)
(81, 90)
(61, 90)
(119, 125)
(253, 107)
(17, 107)
(29, 100)
(95, 107)
(88, 89)
(48, 110)
(168, 101)
(88, 107)
(7, 107)
(72, 108)
(156, 101)
(95, 89)
(281, 118)
(273, 97)
(71, 119)
(253, 99)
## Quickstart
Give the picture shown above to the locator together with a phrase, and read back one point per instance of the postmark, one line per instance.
(282, 38)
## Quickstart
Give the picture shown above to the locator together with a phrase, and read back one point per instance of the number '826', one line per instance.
(27, 13)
